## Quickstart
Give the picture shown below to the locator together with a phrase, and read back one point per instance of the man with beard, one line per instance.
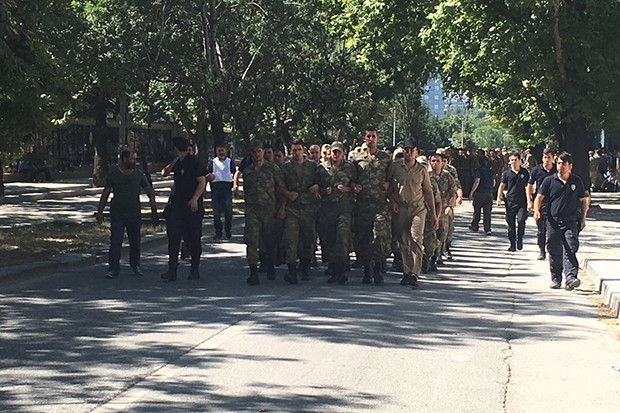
(125, 182)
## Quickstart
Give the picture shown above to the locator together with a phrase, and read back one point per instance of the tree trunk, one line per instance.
(1, 180)
(577, 143)
(100, 138)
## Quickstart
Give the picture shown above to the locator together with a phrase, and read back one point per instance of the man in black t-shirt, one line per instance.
(514, 181)
(185, 208)
(567, 210)
(482, 195)
(538, 175)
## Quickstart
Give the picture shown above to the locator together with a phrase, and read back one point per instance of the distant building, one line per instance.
(438, 102)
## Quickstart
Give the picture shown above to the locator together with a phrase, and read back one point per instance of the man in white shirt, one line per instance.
(220, 174)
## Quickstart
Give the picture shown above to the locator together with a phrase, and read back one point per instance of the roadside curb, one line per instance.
(605, 273)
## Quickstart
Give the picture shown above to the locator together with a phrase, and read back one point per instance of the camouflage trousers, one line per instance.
(299, 236)
(259, 234)
(410, 222)
(373, 233)
(442, 232)
(450, 228)
(431, 243)
(335, 227)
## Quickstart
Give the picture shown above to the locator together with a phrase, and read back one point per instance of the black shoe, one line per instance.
(488, 232)
(414, 282)
(137, 271)
(472, 228)
(170, 275)
(217, 237)
(519, 245)
(253, 278)
(542, 255)
(448, 255)
(556, 285)
(406, 280)
(432, 264)
(437, 262)
(367, 275)
(228, 235)
(512, 248)
(291, 275)
(111, 275)
(194, 274)
(572, 284)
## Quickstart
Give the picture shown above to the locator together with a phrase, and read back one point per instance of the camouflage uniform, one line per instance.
(447, 188)
(299, 231)
(260, 188)
(372, 213)
(335, 211)
(452, 171)
(431, 243)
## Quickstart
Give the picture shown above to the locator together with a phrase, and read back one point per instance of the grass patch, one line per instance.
(42, 241)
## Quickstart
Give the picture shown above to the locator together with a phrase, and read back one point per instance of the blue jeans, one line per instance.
(221, 201)
(118, 224)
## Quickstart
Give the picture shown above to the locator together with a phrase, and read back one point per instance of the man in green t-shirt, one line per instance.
(125, 182)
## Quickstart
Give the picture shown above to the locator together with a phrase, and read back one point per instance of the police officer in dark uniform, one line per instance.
(567, 209)
(185, 209)
(514, 181)
(538, 175)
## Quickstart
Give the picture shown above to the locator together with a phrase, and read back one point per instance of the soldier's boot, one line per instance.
(367, 274)
(304, 268)
(291, 275)
(342, 275)
(448, 253)
(270, 269)
(377, 274)
(194, 273)
(171, 274)
(253, 278)
(432, 264)
(542, 255)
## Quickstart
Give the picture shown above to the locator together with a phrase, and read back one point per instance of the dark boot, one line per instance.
(335, 270)
(367, 274)
(291, 275)
(194, 273)
(341, 274)
(253, 278)
(304, 268)
(542, 255)
(377, 273)
(432, 264)
(425, 262)
(448, 253)
(270, 269)
(171, 274)
(397, 265)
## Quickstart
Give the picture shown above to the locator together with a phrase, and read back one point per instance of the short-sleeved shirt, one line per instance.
(486, 176)
(408, 186)
(126, 190)
(563, 198)
(186, 171)
(538, 174)
(515, 184)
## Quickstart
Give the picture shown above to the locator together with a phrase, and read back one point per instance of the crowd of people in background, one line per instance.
(335, 202)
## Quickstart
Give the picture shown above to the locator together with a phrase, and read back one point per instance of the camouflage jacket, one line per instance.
(452, 171)
(299, 178)
(371, 173)
(328, 176)
(447, 187)
(260, 186)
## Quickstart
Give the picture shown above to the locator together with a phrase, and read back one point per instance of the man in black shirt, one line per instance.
(538, 175)
(514, 181)
(185, 209)
(482, 195)
(566, 214)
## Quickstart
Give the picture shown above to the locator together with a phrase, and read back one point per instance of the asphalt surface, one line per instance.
(485, 334)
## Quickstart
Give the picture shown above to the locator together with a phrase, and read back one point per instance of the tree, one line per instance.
(540, 67)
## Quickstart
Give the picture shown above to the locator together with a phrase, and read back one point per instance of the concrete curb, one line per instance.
(605, 272)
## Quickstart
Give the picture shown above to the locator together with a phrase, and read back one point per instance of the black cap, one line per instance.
(410, 143)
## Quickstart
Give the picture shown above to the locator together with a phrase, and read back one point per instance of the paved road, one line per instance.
(483, 335)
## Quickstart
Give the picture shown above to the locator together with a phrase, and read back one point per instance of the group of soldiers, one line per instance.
(369, 201)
